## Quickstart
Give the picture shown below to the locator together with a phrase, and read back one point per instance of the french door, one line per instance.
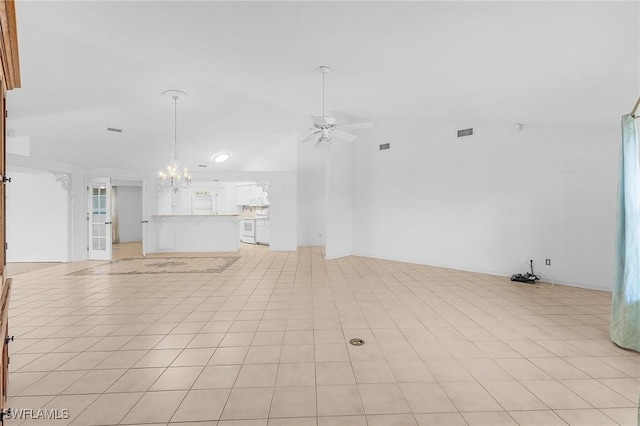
(99, 218)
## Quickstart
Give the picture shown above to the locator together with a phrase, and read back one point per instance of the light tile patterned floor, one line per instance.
(265, 342)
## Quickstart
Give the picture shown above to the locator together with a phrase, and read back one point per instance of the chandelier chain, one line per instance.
(175, 127)
(175, 176)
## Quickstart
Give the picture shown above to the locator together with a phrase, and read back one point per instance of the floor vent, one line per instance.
(465, 132)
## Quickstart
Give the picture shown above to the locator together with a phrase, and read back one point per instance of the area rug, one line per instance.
(160, 265)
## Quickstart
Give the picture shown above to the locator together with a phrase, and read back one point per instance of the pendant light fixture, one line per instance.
(172, 175)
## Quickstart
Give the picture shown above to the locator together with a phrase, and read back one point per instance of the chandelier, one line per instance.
(173, 175)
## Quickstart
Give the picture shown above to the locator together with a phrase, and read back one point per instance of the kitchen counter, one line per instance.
(197, 233)
(195, 215)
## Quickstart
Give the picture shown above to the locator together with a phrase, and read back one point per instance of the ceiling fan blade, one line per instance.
(294, 130)
(311, 137)
(352, 126)
(341, 134)
(323, 121)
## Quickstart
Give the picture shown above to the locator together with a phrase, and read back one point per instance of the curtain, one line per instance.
(625, 307)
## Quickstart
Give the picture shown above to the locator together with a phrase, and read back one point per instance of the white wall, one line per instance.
(129, 207)
(485, 202)
(312, 196)
(280, 157)
(283, 213)
(339, 201)
(37, 217)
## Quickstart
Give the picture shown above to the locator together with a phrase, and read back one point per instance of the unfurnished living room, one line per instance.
(310, 213)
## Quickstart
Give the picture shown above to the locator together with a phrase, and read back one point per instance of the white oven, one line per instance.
(248, 231)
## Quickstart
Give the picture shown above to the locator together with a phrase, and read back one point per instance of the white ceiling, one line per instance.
(250, 68)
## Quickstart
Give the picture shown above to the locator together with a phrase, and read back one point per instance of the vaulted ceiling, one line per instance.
(250, 68)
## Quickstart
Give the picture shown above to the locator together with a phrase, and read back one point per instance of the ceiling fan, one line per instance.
(325, 128)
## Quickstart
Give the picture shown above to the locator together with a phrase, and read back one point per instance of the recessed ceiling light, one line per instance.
(221, 157)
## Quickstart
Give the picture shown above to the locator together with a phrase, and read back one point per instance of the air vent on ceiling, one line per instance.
(465, 132)
(113, 129)
(202, 165)
(385, 146)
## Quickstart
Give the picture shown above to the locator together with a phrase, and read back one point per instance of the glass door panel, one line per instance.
(100, 219)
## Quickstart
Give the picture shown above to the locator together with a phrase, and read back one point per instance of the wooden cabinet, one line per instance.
(5, 339)
(10, 79)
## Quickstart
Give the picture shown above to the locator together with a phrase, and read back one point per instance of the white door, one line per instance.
(144, 221)
(100, 218)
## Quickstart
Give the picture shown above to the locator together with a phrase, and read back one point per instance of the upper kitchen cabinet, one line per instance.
(258, 196)
(243, 194)
(250, 194)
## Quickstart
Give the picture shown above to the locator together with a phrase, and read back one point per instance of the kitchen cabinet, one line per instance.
(243, 195)
(197, 233)
(251, 195)
(257, 196)
(262, 231)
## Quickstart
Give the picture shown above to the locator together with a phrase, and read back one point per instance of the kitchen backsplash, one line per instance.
(250, 212)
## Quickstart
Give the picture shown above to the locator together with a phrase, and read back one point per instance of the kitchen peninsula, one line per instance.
(197, 233)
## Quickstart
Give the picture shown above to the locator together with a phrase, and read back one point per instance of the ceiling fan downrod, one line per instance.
(324, 70)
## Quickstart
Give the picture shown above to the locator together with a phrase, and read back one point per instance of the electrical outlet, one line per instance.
(547, 262)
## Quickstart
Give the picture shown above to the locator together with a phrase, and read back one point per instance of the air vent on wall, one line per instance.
(113, 129)
(465, 132)
(385, 146)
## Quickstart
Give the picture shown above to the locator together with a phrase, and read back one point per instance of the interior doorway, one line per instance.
(127, 231)
(131, 250)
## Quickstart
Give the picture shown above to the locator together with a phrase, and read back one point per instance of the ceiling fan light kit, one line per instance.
(173, 175)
